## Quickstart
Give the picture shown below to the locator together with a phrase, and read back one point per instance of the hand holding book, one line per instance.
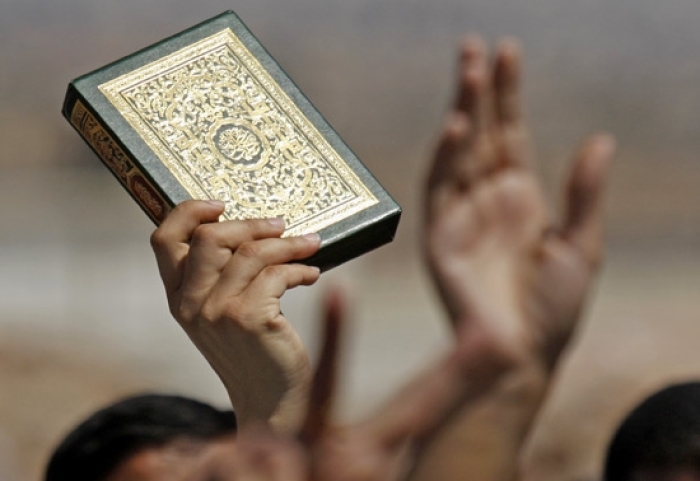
(224, 281)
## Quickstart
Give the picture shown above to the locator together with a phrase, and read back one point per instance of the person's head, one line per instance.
(660, 439)
(147, 437)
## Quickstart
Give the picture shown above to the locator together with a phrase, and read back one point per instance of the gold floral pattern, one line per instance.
(226, 130)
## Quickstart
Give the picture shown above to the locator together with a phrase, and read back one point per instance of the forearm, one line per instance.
(266, 377)
(483, 440)
(283, 407)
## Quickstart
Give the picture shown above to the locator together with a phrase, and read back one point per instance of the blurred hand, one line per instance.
(493, 249)
(224, 281)
(379, 448)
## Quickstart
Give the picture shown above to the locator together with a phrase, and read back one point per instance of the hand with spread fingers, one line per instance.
(505, 269)
(224, 281)
(491, 245)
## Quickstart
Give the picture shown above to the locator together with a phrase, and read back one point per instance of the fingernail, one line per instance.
(313, 237)
(216, 203)
(277, 222)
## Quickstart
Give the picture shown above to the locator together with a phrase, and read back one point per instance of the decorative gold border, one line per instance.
(113, 91)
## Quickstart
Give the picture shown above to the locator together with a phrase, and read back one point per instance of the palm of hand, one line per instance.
(493, 256)
(489, 240)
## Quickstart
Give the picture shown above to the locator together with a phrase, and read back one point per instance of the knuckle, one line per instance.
(249, 250)
(184, 311)
(260, 228)
(209, 314)
(275, 324)
(205, 234)
(184, 209)
(236, 309)
(257, 224)
(275, 271)
(158, 239)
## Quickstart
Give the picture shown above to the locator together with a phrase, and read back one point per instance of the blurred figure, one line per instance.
(503, 265)
(146, 437)
(158, 438)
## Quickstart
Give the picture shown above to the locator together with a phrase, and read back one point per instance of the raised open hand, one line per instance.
(224, 281)
(491, 244)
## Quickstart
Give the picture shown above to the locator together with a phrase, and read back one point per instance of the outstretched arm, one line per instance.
(504, 266)
(379, 448)
(224, 281)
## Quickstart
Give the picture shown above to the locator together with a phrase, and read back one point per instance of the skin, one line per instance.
(504, 266)
(373, 450)
(512, 280)
(224, 281)
(376, 449)
(181, 460)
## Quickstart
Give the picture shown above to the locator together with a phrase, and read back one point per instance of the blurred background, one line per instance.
(83, 317)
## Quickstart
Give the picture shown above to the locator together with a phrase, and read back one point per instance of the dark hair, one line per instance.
(94, 448)
(662, 433)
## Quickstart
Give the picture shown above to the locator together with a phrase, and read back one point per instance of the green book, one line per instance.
(209, 114)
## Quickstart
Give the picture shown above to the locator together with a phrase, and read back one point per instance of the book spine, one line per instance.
(117, 160)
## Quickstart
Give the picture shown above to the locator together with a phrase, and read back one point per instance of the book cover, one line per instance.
(209, 114)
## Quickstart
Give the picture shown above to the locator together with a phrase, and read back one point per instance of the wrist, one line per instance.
(280, 401)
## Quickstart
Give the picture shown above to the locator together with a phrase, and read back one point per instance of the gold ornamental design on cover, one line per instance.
(226, 130)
